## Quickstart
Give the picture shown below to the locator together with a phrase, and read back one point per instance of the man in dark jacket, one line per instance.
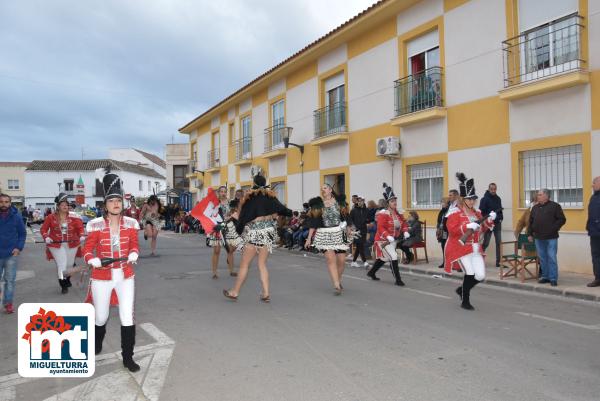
(359, 215)
(12, 241)
(491, 202)
(593, 229)
(545, 221)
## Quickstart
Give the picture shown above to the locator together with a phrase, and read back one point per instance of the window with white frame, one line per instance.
(557, 169)
(13, 184)
(246, 136)
(140, 186)
(279, 189)
(426, 185)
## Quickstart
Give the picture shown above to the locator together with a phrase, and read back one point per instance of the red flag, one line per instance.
(207, 211)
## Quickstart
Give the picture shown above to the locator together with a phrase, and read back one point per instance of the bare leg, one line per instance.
(263, 254)
(341, 264)
(247, 257)
(215, 259)
(330, 257)
(153, 242)
(230, 261)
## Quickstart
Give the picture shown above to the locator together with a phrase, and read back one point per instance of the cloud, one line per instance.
(97, 75)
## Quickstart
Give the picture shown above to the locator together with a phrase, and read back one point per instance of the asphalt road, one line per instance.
(375, 342)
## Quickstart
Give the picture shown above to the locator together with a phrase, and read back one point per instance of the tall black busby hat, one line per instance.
(113, 186)
(61, 197)
(259, 182)
(466, 187)
(388, 192)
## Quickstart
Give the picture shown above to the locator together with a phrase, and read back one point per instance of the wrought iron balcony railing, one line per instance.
(192, 166)
(547, 50)
(274, 137)
(418, 91)
(243, 149)
(213, 159)
(330, 120)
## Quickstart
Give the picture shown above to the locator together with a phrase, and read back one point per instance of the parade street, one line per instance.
(374, 342)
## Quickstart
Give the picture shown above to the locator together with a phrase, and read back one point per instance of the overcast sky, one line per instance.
(105, 74)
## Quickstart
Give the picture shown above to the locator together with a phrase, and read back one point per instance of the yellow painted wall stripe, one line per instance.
(363, 143)
(301, 75)
(373, 38)
(452, 4)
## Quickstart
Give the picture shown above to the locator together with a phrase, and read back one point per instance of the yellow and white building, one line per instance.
(507, 91)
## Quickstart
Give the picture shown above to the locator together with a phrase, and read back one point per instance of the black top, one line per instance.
(593, 221)
(491, 203)
(546, 220)
(360, 218)
(259, 205)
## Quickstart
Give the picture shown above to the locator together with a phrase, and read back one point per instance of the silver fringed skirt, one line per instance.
(330, 239)
(261, 234)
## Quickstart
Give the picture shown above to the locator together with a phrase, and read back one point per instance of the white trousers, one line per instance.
(473, 263)
(63, 257)
(389, 252)
(125, 289)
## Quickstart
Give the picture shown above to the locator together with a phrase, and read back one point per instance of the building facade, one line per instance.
(506, 91)
(12, 180)
(82, 180)
(139, 157)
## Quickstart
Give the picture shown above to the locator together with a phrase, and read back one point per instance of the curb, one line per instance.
(566, 293)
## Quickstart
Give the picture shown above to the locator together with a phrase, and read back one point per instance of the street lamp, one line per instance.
(286, 132)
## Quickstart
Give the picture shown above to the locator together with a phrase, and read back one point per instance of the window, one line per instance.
(333, 117)
(278, 120)
(423, 53)
(426, 185)
(231, 133)
(279, 189)
(246, 136)
(179, 178)
(69, 184)
(149, 186)
(557, 169)
(337, 182)
(140, 186)
(13, 184)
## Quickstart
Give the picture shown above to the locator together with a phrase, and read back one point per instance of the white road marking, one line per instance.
(24, 274)
(432, 294)
(154, 360)
(551, 319)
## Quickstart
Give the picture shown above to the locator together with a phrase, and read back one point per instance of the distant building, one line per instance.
(12, 180)
(82, 179)
(139, 157)
(178, 169)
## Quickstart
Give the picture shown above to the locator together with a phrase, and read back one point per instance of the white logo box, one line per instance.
(77, 362)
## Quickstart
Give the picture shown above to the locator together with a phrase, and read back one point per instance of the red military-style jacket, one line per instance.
(456, 223)
(98, 244)
(386, 227)
(51, 229)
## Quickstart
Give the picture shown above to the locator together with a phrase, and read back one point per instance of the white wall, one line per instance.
(13, 173)
(473, 41)
(333, 59)
(302, 101)
(245, 105)
(132, 156)
(294, 188)
(231, 173)
(560, 112)
(202, 148)
(593, 24)
(367, 179)
(214, 123)
(424, 138)
(278, 166)
(276, 88)
(245, 173)
(371, 78)
(595, 154)
(334, 155)
(260, 121)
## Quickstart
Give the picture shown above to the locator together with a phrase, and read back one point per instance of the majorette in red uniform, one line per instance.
(113, 236)
(133, 211)
(391, 225)
(63, 239)
(468, 255)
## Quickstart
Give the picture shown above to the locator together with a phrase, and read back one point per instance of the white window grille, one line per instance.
(13, 184)
(426, 183)
(557, 169)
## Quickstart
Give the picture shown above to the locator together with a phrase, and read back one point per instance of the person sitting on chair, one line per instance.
(415, 236)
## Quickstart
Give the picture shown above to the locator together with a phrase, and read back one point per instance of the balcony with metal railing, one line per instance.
(330, 124)
(213, 162)
(273, 140)
(419, 97)
(544, 59)
(243, 150)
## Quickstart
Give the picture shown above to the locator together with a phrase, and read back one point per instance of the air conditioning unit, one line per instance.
(388, 146)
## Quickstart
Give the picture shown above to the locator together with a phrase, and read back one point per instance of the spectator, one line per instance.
(359, 216)
(354, 200)
(491, 202)
(371, 225)
(441, 233)
(523, 222)
(239, 194)
(381, 204)
(453, 197)
(415, 235)
(545, 221)
(293, 226)
(302, 233)
(12, 241)
(593, 229)
(282, 226)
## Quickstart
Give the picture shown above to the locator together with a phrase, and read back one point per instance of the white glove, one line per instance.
(48, 240)
(473, 226)
(390, 238)
(95, 262)
(343, 225)
(133, 257)
(81, 239)
(492, 216)
(406, 235)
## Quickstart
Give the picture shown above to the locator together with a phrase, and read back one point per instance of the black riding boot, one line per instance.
(396, 271)
(100, 333)
(468, 283)
(68, 281)
(63, 286)
(127, 343)
(376, 266)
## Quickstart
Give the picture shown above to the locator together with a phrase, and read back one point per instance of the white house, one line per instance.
(139, 157)
(12, 180)
(44, 179)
